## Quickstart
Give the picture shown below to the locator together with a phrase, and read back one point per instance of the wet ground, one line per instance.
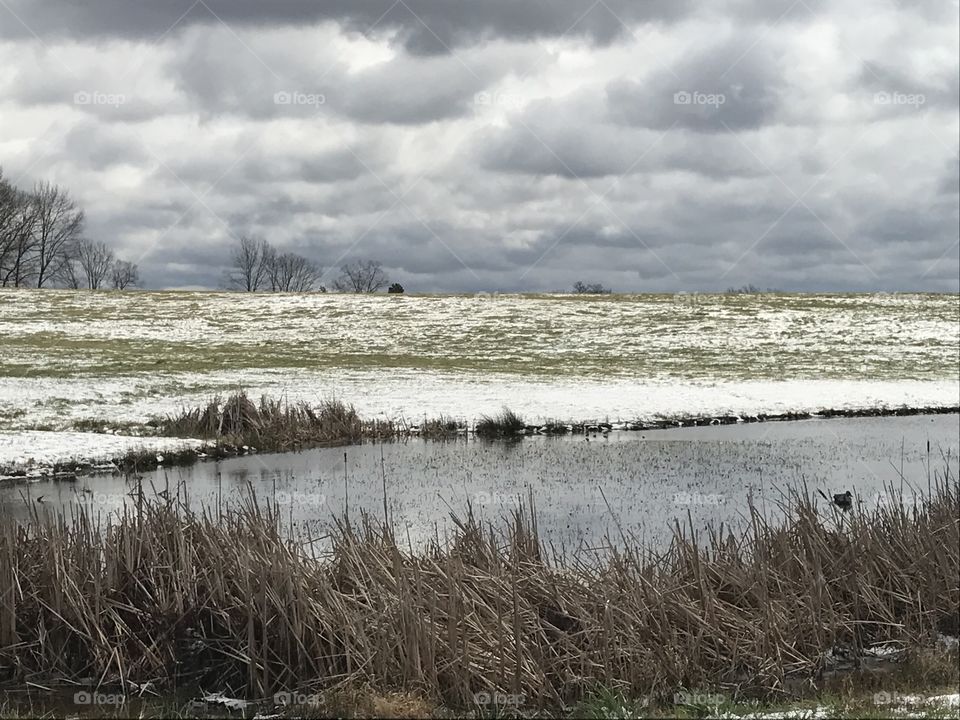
(582, 487)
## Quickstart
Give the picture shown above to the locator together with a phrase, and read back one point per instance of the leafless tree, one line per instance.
(71, 275)
(290, 272)
(581, 288)
(57, 227)
(361, 276)
(95, 260)
(251, 259)
(124, 274)
(17, 218)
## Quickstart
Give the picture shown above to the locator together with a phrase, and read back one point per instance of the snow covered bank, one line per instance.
(35, 450)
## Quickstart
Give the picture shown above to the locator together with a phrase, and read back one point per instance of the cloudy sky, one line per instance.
(651, 145)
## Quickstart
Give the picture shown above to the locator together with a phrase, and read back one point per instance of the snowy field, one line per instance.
(70, 361)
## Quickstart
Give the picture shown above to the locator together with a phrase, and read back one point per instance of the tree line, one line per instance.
(42, 243)
(259, 267)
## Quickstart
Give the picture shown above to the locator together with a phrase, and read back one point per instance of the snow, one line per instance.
(414, 394)
(905, 704)
(125, 358)
(38, 448)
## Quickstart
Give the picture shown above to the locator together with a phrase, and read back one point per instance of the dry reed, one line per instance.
(165, 595)
(274, 424)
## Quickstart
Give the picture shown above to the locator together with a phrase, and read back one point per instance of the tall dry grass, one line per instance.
(165, 595)
(276, 424)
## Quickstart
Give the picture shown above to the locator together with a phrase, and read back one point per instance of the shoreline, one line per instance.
(177, 451)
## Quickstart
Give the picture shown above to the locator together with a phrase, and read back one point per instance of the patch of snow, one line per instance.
(883, 650)
(224, 701)
(34, 448)
(947, 642)
(799, 714)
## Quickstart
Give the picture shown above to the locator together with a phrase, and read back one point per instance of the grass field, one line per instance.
(70, 360)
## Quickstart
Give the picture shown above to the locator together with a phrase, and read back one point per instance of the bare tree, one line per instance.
(361, 276)
(72, 274)
(57, 227)
(580, 288)
(290, 272)
(95, 260)
(17, 218)
(251, 258)
(124, 274)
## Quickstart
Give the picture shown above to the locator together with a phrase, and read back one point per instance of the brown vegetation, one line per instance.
(165, 595)
(274, 424)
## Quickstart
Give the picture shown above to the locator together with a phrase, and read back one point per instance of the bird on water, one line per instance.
(843, 500)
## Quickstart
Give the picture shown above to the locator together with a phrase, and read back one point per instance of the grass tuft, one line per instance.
(506, 424)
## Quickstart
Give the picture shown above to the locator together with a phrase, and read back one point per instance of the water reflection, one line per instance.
(582, 489)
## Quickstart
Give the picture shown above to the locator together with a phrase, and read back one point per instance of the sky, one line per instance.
(502, 145)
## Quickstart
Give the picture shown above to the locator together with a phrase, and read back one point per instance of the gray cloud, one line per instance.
(734, 85)
(526, 159)
(425, 26)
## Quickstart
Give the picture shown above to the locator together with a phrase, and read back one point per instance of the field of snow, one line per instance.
(73, 360)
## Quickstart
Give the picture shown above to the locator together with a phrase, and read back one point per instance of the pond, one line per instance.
(584, 489)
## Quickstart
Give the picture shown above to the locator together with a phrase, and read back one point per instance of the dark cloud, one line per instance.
(558, 141)
(425, 26)
(733, 85)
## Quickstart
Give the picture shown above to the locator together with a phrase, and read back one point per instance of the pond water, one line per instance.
(582, 488)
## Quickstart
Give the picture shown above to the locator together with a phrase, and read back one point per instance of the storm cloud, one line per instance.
(502, 145)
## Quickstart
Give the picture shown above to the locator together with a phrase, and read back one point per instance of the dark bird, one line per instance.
(40, 498)
(843, 500)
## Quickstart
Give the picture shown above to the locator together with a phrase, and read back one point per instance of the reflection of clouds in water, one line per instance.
(648, 479)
